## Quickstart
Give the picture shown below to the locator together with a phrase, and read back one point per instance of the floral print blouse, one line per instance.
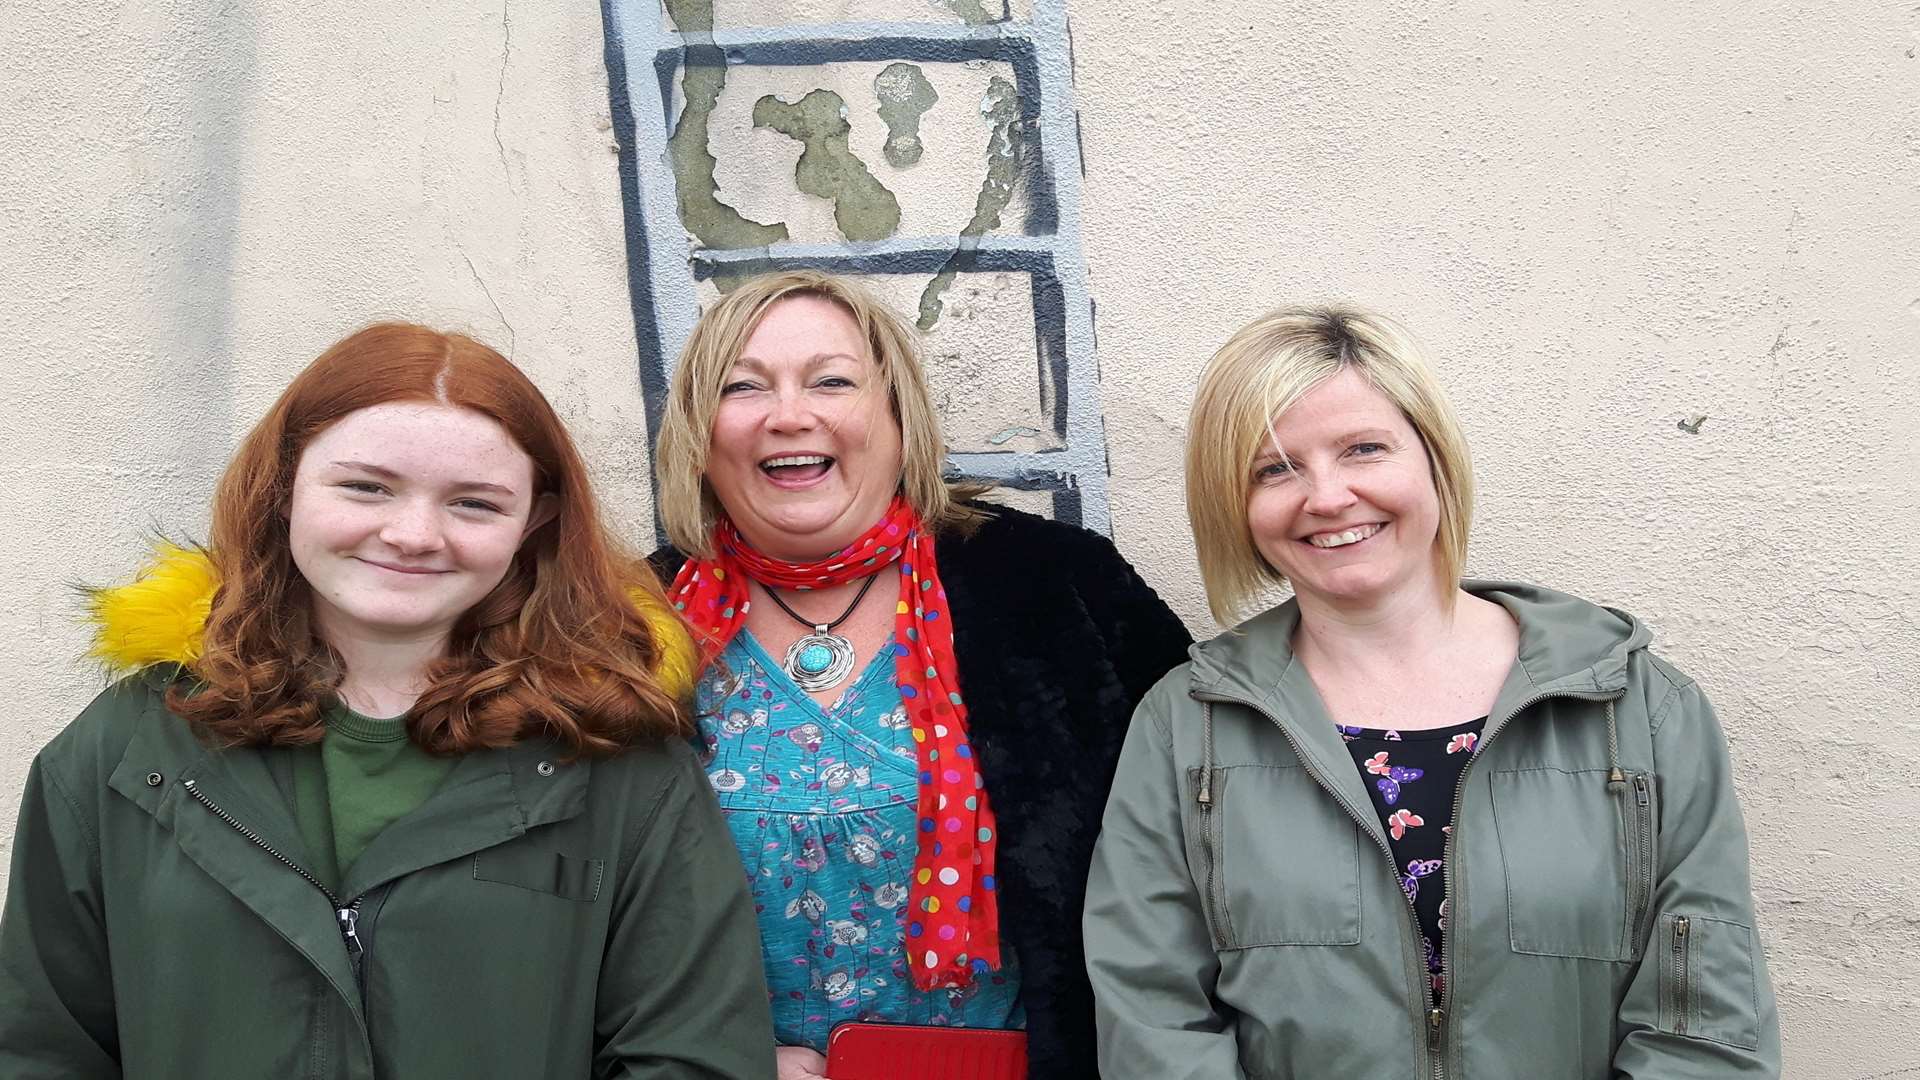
(822, 805)
(1411, 777)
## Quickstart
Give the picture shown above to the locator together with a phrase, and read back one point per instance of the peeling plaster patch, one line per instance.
(1691, 425)
(905, 94)
(1001, 108)
(712, 222)
(974, 12)
(863, 208)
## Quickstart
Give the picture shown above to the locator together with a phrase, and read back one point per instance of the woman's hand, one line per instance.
(799, 1063)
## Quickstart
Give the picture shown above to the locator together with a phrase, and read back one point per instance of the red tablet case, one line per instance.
(867, 1051)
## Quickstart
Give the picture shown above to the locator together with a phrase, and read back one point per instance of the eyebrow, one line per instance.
(811, 361)
(388, 474)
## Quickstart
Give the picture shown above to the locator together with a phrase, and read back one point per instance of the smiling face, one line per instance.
(1342, 499)
(805, 452)
(403, 516)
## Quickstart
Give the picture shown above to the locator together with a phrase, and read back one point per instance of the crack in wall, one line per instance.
(500, 88)
(1000, 106)
(712, 222)
(905, 96)
(863, 208)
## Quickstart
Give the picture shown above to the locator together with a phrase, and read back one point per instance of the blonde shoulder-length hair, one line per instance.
(1260, 373)
(687, 504)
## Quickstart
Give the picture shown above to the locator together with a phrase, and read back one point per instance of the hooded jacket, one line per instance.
(534, 917)
(1244, 917)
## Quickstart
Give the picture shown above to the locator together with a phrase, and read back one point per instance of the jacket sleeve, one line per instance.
(1700, 1004)
(1149, 952)
(682, 995)
(56, 988)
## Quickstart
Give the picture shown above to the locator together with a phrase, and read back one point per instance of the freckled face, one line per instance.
(1342, 499)
(403, 516)
(806, 453)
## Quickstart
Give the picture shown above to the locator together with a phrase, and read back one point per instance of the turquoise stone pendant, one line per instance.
(818, 661)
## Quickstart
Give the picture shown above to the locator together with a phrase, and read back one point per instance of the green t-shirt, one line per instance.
(364, 776)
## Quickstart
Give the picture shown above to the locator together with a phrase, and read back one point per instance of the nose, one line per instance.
(1328, 493)
(791, 411)
(413, 527)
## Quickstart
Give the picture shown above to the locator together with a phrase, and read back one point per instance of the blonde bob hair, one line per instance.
(687, 505)
(1260, 373)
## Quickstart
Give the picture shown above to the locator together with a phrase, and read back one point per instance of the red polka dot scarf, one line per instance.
(953, 922)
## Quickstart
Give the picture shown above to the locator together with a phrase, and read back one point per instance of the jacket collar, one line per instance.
(1565, 644)
(1567, 647)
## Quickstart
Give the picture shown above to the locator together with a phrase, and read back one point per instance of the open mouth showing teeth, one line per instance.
(1342, 539)
(797, 466)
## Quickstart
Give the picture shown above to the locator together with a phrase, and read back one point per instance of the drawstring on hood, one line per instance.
(160, 618)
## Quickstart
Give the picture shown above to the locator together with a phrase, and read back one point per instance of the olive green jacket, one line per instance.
(534, 918)
(1244, 917)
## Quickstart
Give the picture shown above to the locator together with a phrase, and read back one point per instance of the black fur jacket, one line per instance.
(1057, 640)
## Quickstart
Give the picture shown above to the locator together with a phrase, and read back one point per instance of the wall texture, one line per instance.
(1666, 254)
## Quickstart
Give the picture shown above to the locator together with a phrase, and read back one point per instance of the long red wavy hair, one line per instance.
(558, 648)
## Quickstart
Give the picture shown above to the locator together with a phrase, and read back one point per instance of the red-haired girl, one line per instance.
(401, 787)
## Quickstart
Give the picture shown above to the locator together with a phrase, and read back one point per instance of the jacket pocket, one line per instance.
(1707, 985)
(1579, 858)
(541, 870)
(1276, 858)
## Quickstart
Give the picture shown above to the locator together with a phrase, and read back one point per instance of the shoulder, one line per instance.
(88, 748)
(1670, 692)
(1012, 541)
(1169, 704)
(648, 771)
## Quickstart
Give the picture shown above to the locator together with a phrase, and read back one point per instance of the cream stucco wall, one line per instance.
(1606, 220)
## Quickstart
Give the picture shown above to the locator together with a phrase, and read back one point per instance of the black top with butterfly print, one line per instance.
(1411, 776)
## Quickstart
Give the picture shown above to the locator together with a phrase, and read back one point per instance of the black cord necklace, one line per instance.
(823, 659)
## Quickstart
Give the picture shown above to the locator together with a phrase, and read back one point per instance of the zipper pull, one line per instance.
(1640, 793)
(349, 918)
(1436, 1029)
(1205, 795)
(1679, 931)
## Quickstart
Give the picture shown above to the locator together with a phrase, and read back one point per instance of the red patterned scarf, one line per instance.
(953, 921)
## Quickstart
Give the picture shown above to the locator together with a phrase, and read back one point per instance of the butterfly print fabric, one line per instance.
(1411, 777)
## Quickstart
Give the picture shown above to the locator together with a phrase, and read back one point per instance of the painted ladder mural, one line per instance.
(928, 146)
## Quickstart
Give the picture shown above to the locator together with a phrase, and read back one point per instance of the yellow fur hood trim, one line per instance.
(158, 618)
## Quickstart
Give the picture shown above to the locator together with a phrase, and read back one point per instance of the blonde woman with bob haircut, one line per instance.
(1405, 824)
(911, 700)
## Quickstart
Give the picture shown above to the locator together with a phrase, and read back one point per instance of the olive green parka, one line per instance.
(535, 917)
(1244, 917)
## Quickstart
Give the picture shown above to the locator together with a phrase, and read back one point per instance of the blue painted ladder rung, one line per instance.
(911, 255)
(843, 39)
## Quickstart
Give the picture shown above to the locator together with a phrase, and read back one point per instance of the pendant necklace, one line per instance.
(823, 659)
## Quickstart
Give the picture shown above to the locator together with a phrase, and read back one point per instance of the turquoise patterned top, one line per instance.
(822, 807)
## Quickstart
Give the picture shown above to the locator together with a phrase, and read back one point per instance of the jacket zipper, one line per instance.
(1682, 993)
(1637, 885)
(346, 917)
(1437, 1018)
(1205, 798)
(1429, 1018)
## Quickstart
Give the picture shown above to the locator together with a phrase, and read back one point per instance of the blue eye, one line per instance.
(1367, 448)
(477, 504)
(362, 487)
(1272, 470)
